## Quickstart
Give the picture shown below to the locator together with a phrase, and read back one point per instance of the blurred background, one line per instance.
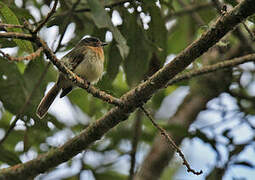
(210, 117)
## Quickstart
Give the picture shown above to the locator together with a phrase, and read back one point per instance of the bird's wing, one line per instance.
(74, 58)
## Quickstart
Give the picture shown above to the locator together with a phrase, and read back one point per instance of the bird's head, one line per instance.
(92, 41)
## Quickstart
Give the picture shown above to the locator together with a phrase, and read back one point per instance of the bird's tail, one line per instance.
(47, 101)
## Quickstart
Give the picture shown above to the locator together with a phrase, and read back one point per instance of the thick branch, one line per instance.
(131, 100)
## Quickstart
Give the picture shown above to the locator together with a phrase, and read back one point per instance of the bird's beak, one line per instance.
(104, 44)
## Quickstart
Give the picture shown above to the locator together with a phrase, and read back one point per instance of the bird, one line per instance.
(86, 60)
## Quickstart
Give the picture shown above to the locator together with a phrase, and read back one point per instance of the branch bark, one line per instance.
(131, 100)
(201, 92)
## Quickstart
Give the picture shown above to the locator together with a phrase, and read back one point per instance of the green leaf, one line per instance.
(103, 20)
(9, 17)
(232, 2)
(157, 33)
(15, 88)
(137, 62)
(6, 117)
(120, 85)
(12, 86)
(21, 13)
(178, 38)
(80, 98)
(5, 43)
(32, 75)
(8, 157)
(109, 175)
(157, 99)
(252, 19)
(113, 63)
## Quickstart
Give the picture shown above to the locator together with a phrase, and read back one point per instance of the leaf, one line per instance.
(5, 43)
(113, 62)
(21, 13)
(15, 88)
(157, 99)
(6, 117)
(178, 38)
(157, 33)
(112, 69)
(232, 2)
(8, 157)
(252, 19)
(9, 17)
(137, 62)
(12, 86)
(103, 20)
(109, 175)
(32, 75)
(79, 98)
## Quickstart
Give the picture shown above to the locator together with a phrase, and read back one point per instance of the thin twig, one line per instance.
(47, 17)
(76, 4)
(60, 40)
(249, 31)
(28, 100)
(3, 25)
(171, 142)
(136, 136)
(211, 68)
(16, 35)
(10, 129)
(28, 58)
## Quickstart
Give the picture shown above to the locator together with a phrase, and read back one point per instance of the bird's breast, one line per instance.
(91, 68)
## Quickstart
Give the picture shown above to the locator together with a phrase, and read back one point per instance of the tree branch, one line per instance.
(16, 35)
(3, 25)
(137, 126)
(47, 17)
(211, 68)
(28, 100)
(171, 142)
(131, 100)
(28, 58)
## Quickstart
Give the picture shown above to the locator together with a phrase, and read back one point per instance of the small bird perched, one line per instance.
(86, 59)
